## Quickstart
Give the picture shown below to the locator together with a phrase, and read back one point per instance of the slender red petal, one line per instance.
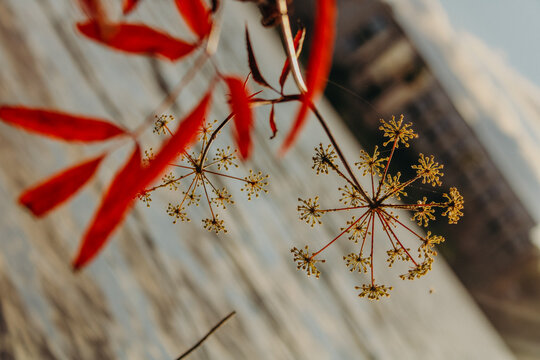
(59, 125)
(133, 179)
(93, 9)
(298, 44)
(137, 39)
(49, 194)
(252, 61)
(243, 117)
(320, 56)
(196, 15)
(96, 12)
(273, 126)
(320, 60)
(129, 5)
(184, 136)
(114, 206)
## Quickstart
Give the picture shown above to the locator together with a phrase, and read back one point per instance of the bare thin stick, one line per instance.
(289, 42)
(206, 336)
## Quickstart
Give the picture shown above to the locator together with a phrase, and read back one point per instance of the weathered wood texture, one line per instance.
(158, 287)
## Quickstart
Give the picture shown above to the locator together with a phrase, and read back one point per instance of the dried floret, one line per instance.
(309, 211)
(419, 270)
(350, 196)
(397, 131)
(145, 197)
(177, 212)
(355, 262)
(374, 291)
(371, 164)
(254, 184)
(356, 229)
(423, 212)
(397, 254)
(428, 170)
(305, 261)
(454, 206)
(160, 125)
(171, 181)
(222, 197)
(394, 187)
(323, 159)
(214, 224)
(225, 158)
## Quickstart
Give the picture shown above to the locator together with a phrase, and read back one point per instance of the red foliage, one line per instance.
(196, 15)
(137, 39)
(44, 197)
(272, 120)
(112, 210)
(253, 66)
(59, 125)
(320, 60)
(243, 116)
(128, 6)
(298, 43)
(132, 180)
(93, 9)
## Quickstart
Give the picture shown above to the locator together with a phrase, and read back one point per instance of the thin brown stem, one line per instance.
(182, 166)
(412, 206)
(337, 237)
(225, 175)
(214, 134)
(404, 185)
(371, 256)
(195, 179)
(208, 199)
(370, 219)
(346, 208)
(289, 42)
(217, 326)
(340, 153)
(385, 228)
(334, 167)
(386, 168)
(169, 182)
(396, 238)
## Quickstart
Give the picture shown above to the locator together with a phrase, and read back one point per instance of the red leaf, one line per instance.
(44, 197)
(184, 136)
(133, 179)
(93, 9)
(320, 60)
(196, 16)
(273, 126)
(59, 125)
(129, 5)
(252, 61)
(298, 44)
(137, 39)
(112, 210)
(243, 117)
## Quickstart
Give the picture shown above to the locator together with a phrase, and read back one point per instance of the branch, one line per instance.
(199, 343)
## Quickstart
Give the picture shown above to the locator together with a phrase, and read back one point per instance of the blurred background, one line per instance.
(157, 287)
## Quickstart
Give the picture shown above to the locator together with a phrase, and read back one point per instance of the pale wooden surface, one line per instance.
(157, 287)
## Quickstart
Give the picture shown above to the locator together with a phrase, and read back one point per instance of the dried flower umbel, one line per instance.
(376, 207)
(197, 172)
